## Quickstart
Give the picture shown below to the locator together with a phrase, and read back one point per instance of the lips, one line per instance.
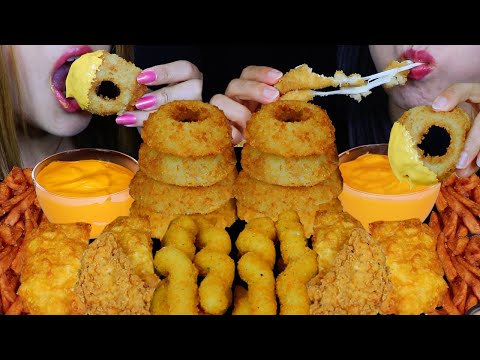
(59, 75)
(419, 72)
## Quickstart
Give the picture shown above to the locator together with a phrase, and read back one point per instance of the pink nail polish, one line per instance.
(146, 77)
(126, 119)
(146, 102)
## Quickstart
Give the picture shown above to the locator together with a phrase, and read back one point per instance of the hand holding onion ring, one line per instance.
(469, 161)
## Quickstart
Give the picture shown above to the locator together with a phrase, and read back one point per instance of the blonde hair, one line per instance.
(9, 126)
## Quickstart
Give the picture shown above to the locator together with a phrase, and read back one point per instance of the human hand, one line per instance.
(469, 161)
(183, 81)
(245, 95)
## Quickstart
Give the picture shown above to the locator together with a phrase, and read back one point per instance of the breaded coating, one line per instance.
(302, 77)
(401, 77)
(108, 284)
(357, 282)
(133, 235)
(331, 231)
(50, 272)
(415, 269)
(299, 95)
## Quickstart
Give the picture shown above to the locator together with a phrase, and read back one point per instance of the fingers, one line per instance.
(235, 112)
(469, 161)
(263, 74)
(239, 89)
(170, 73)
(133, 118)
(455, 94)
(186, 90)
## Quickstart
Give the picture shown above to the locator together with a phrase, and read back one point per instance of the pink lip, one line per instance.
(419, 72)
(69, 105)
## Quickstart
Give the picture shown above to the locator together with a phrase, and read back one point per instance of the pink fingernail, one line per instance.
(126, 119)
(146, 102)
(270, 93)
(275, 74)
(146, 77)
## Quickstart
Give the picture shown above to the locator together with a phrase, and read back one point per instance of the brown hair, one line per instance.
(9, 126)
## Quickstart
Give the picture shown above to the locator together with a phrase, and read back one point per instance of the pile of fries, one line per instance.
(20, 213)
(457, 225)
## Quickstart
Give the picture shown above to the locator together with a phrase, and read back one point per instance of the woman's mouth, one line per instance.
(419, 72)
(59, 75)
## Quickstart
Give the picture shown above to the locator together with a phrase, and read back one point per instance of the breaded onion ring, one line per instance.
(191, 171)
(298, 95)
(188, 128)
(307, 218)
(418, 122)
(290, 128)
(110, 69)
(172, 199)
(222, 217)
(275, 199)
(289, 171)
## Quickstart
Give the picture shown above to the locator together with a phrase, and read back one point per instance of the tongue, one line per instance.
(60, 76)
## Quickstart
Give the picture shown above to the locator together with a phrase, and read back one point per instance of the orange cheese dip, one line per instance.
(84, 178)
(372, 173)
(91, 191)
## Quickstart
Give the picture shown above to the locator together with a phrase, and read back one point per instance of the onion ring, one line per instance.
(307, 218)
(302, 77)
(188, 128)
(289, 171)
(222, 217)
(418, 122)
(123, 74)
(192, 171)
(290, 128)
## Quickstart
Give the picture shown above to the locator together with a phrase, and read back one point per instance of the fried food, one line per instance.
(331, 231)
(298, 95)
(222, 217)
(181, 234)
(290, 128)
(217, 269)
(410, 130)
(172, 199)
(307, 218)
(187, 128)
(400, 78)
(356, 284)
(51, 270)
(108, 283)
(289, 171)
(274, 199)
(182, 289)
(186, 171)
(415, 270)
(301, 265)
(91, 76)
(132, 233)
(302, 77)
(255, 268)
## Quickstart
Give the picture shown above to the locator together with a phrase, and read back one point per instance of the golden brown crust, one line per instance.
(188, 128)
(420, 119)
(290, 128)
(289, 171)
(303, 78)
(186, 171)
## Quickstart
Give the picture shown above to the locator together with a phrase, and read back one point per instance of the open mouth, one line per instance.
(59, 76)
(419, 72)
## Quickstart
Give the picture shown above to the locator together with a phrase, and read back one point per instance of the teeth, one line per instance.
(73, 58)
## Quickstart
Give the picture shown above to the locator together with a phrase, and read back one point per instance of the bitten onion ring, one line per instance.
(290, 128)
(418, 122)
(187, 128)
(289, 171)
(186, 171)
(109, 68)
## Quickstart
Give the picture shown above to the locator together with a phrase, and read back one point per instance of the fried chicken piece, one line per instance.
(50, 272)
(415, 269)
(356, 284)
(133, 235)
(108, 284)
(331, 230)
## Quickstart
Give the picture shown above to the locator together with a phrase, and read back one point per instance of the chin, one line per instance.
(73, 125)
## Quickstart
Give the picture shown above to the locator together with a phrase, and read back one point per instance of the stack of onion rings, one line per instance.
(187, 166)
